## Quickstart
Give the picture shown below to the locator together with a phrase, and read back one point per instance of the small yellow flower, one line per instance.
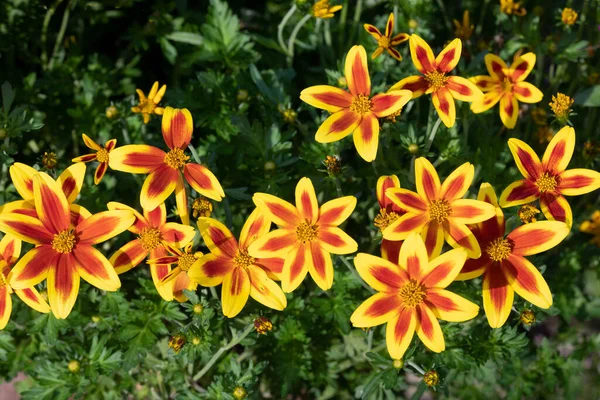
(149, 105)
(239, 393)
(569, 16)
(201, 208)
(112, 112)
(561, 107)
(49, 159)
(413, 148)
(333, 165)
(592, 227)
(177, 342)
(198, 309)
(387, 42)
(527, 317)
(196, 341)
(398, 364)
(289, 116)
(74, 366)
(511, 7)
(465, 29)
(431, 378)
(527, 213)
(322, 9)
(263, 325)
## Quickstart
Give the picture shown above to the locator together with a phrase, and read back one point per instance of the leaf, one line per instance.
(168, 49)
(8, 95)
(373, 385)
(262, 86)
(186, 37)
(589, 97)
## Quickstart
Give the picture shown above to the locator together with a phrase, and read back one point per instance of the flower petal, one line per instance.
(177, 235)
(99, 173)
(578, 181)
(336, 241)
(429, 330)
(389, 26)
(366, 137)
(210, 269)
(400, 331)
(443, 270)
(519, 192)
(33, 267)
(357, 72)
(22, 177)
(337, 126)
(157, 216)
(462, 89)
(306, 200)
(376, 310)
(413, 256)
(399, 38)
(217, 237)
(559, 151)
(158, 186)
(525, 92)
(103, 226)
(427, 179)
(136, 158)
(556, 208)
(390, 250)
(181, 201)
(373, 31)
(264, 290)
(89, 143)
(457, 184)
(395, 53)
(416, 84)
(159, 272)
(468, 211)
(140, 221)
(448, 58)
(33, 299)
(63, 286)
(277, 243)
(527, 161)
(537, 237)
(521, 67)
(110, 144)
(458, 235)
(444, 104)
(25, 228)
(383, 184)
(527, 281)
(50, 203)
(295, 267)
(235, 292)
(433, 236)
(272, 266)
(388, 103)
(485, 83)
(406, 200)
(509, 110)
(129, 256)
(177, 127)
(421, 54)
(10, 249)
(380, 274)
(336, 211)
(474, 268)
(95, 269)
(320, 266)
(451, 307)
(202, 180)
(71, 180)
(257, 225)
(498, 296)
(279, 211)
(489, 100)
(495, 66)
(328, 98)
(5, 306)
(403, 226)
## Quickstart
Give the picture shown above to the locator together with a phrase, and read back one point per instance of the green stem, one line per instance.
(61, 33)
(416, 367)
(292, 39)
(281, 27)
(445, 15)
(338, 186)
(355, 273)
(194, 154)
(44, 35)
(432, 135)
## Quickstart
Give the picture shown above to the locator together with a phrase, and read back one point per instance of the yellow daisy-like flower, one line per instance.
(387, 42)
(149, 105)
(592, 227)
(465, 29)
(511, 7)
(322, 9)
(568, 16)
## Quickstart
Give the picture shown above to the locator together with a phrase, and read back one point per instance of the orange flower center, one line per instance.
(102, 155)
(499, 249)
(63, 242)
(150, 238)
(412, 293)
(176, 158)
(361, 104)
(436, 79)
(439, 210)
(384, 219)
(546, 182)
(186, 261)
(383, 41)
(243, 260)
(147, 106)
(306, 232)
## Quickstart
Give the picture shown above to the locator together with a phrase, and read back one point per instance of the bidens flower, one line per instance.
(355, 112)
(149, 105)
(322, 9)
(388, 213)
(507, 86)
(411, 296)
(306, 236)
(435, 81)
(102, 156)
(547, 180)
(387, 42)
(592, 227)
(183, 261)
(465, 29)
(568, 16)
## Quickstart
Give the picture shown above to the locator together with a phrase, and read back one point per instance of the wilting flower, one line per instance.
(241, 274)
(307, 235)
(63, 251)
(434, 80)
(561, 107)
(49, 160)
(388, 213)
(354, 113)
(178, 277)
(504, 268)
(431, 378)
(387, 42)
(511, 7)
(322, 9)
(10, 249)
(262, 325)
(201, 207)
(411, 295)
(165, 169)
(333, 165)
(547, 180)
(177, 342)
(568, 16)
(149, 105)
(153, 232)
(465, 29)
(101, 155)
(438, 211)
(527, 213)
(507, 86)
(527, 317)
(592, 227)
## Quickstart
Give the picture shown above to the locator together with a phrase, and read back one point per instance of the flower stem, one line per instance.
(281, 27)
(292, 39)
(44, 35)
(61, 33)
(353, 270)
(416, 367)
(432, 135)
(338, 187)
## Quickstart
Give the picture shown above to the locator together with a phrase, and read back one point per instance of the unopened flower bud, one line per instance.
(74, 366)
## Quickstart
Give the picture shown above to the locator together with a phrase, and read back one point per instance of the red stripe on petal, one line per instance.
(521, 192)
(421, 54)
(333, 98)
(383, 306)
(100, 171)
(464, 90)
(425, 323)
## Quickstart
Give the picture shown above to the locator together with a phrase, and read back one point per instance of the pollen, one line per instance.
(412, 293)
(383, 41)
(561, 105)
(384, 219)
(546, 182)
(439, 210)
(186, 261)
(527, 213)
(64, 241)
(436, 79)
(507, 85)
(176, 158)
(102, 156)
(243, 260)
(499, 249)
(361, 104)
(306, 232)
(150, 238)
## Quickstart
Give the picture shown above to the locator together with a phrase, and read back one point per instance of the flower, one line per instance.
(201, 207)
(507, 86)
(239, 392)
(148, 106)
(412, 296)
(289, 115)
(511, 7)
(568, 16)
(504, 268)
(165, 169)
(388, 213)
(307, 235)
(465, 29)
(527, 213)
(333, 166)
(111, 112)
(438, 211)
(74, 366)
(153, 234)
(387, 42)
(101, 155)
(398, 364)
(178, 276)
(561, 107)
(527, 317)
(177, 342)
(547, 180)
(592, 227)
(434, 80)
(198, 309)
(322, 9)
(354, 113)
(263, 325)
(49, 160)
(63, 251)
(241, 274)
(431, 378)
(10, 249)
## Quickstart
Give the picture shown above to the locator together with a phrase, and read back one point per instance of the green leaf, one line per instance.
(8, 95)
(590, 97)
(168, 49)
(186, 37)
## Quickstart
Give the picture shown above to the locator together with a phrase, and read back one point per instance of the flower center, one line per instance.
(412, 293)
(176, 158)
(436, 79)
(384, 219)
(320, 7)
(186, 261)
(306, 231)
(147, 106)
(243, 260)
(499, 249)
(361, 104)
(546, 182)
(527, 213)
(507, 85)
(64, 241)
(150, 238)
(102, 155)
(383, 41)
(439, 210)
(3, 281)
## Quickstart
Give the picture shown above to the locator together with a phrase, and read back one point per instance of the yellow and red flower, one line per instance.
(64, 252)
(322, 9)
(504, 268)
(548, 180)
(241, 274)
(102, 155)
(412, 296)
(149, 105)
(388, 213)
(179, 275)
(10, 249)
(307, 235)
(438, 211)
(435, 80)
(592, 227)
(153, 232)
(167, 171)
(507, 86)
(355, 112)
(387, 42)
